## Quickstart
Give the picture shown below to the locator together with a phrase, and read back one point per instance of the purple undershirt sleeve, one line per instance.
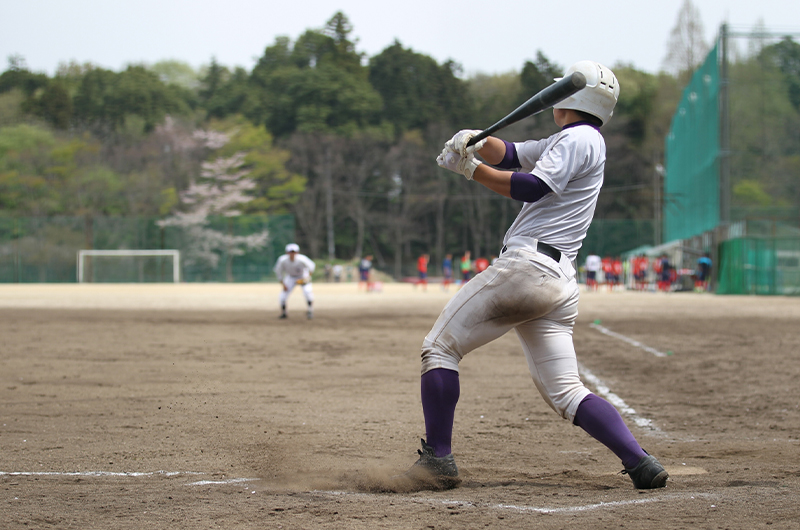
(510, 160)
(527, 187)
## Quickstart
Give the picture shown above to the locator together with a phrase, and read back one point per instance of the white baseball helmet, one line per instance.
(600, 95)
(292, 247)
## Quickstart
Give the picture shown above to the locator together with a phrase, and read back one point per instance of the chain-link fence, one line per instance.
(764, 266)
(40, 250)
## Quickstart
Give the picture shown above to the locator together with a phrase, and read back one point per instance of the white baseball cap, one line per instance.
(292, 247)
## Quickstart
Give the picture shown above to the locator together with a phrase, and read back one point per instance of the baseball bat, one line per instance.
(544, 99)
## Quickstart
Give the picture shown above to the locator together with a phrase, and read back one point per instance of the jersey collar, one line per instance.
(576, 123)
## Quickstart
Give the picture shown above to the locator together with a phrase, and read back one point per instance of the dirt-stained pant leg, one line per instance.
(526, 291)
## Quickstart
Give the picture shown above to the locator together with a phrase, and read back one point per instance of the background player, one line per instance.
(703, 272)
(593, 266)
(293, 269)
(466, 266)
(640, 267)
(422, 271)
(481, 264)
(532, 287)
(608, 272)
(365, 273)
(447, 271)
(617, 270)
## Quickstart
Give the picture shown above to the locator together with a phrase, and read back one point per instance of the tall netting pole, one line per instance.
(725, 131)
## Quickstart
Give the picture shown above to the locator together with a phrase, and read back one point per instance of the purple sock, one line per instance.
(601, 420)
(440, 391)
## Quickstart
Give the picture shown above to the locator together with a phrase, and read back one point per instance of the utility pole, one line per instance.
(658, 179)
(329, 200)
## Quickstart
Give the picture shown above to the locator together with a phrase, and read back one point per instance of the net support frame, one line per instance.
(176, 259)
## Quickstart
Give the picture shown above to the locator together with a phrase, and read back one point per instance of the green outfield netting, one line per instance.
(40, 250)
(691, 182)
(615, 237)
(764, 266)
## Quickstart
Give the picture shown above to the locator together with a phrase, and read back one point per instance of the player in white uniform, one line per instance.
(593, 265)
(532, 287)
(293, 269)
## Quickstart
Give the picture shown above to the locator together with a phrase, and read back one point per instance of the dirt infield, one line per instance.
(193, 406)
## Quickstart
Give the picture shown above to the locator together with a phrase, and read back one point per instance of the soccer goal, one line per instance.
(122, 266)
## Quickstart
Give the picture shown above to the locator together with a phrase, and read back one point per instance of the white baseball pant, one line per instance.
(290, 282)
(537, 297)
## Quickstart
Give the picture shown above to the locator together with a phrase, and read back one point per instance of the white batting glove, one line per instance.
(463, 165)
(458, 143)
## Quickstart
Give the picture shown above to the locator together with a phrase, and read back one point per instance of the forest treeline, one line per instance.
(344, 142)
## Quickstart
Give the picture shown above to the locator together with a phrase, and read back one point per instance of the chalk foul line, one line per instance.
(126, 474)
(603, 391)
(523, 508)
(604, 330)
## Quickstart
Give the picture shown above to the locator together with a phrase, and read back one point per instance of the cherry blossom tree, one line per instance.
(220, 190)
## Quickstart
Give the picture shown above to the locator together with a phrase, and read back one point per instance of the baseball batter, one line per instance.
(293, 269)
(532, 287)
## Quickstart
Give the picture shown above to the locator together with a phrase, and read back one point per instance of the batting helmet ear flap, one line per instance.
(600, 95)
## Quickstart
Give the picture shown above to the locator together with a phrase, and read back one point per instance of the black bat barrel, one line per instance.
(542, 100)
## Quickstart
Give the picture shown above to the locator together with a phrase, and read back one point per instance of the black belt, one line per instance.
(545, 249)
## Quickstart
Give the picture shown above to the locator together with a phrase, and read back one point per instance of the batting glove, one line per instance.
(458, 143)
(463, 165)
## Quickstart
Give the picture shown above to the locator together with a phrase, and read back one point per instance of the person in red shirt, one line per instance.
(608, 272)
(616, 267)
(640, 266)
(422, 270)
(481, 264)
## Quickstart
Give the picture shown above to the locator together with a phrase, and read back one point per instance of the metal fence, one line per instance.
(45, 249)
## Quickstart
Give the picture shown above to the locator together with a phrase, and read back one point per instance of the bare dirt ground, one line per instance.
(193, 406)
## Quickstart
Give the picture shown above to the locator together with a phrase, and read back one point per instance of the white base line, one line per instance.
(629, 340)
(217, 482)
(507, 507)
(615, 400)
(125, 474)
(522, 509)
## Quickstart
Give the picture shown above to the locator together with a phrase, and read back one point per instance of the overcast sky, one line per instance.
(482, 36)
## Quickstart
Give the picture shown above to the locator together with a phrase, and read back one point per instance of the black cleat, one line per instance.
(648, 474)
(430, 472)
(283, 316)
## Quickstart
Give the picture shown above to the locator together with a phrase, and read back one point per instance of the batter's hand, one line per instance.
(458, 143)
(463, 165)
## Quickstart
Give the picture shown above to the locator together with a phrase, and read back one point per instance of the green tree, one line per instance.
(105, 99)
(494, 96)
(11, 107)
(25, 188)
(686, 48)
(276, 188)
(18, 76)
(178, 73)
(225, 93)
(537, 75)
(317, 85)
(785, 55)
(53, 104)
(416, 90)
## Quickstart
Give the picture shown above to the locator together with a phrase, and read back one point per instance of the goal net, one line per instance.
(129, 266)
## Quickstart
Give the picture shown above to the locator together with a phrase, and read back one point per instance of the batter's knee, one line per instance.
(566, 401)
(435, 356)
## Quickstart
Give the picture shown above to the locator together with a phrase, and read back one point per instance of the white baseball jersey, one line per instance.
(571, 163)
(301, 267)
(593, 262)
